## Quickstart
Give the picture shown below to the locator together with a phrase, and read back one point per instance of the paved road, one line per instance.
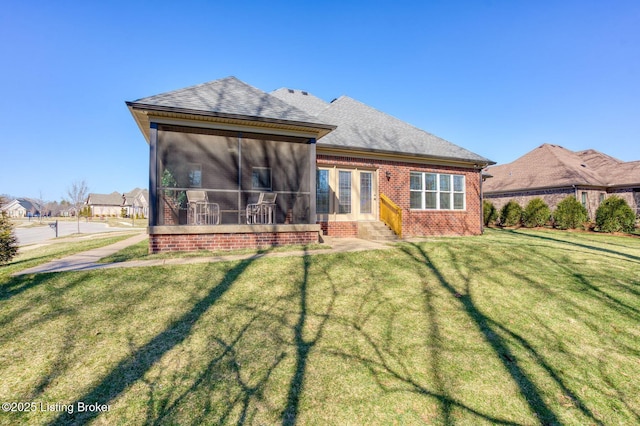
(39, 234)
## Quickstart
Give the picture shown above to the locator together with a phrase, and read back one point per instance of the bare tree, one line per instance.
(40, 204)
(78, 193)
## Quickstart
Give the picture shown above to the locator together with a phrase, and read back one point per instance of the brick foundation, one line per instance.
(339, 229)
(194, 242)
(229, 237)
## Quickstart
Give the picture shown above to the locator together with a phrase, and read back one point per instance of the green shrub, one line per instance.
(569, 214)
(615, 215)
(489, 212)
(8, 241)
(536, 213)
(511, 214)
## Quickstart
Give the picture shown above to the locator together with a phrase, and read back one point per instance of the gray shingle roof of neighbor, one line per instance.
(552, 166)
(365, 128)
(227, 97)
(113, 199)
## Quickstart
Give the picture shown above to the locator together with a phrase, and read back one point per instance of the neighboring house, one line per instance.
(105, 204)
(335, 168)
(552, 173)
(20, 207)
(136, 202)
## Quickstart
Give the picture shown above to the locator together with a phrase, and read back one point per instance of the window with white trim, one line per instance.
(437, 191)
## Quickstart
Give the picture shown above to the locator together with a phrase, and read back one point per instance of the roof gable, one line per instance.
(552, 166)
(137, 195)
(13, 204)
(227, 97)
(362, 127)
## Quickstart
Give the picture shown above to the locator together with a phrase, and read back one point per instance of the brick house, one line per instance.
(136, 203)
(332, 168)
(105, 204)
(19, 208)
(552, 173)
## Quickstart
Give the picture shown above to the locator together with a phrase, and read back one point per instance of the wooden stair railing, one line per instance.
(391, 214)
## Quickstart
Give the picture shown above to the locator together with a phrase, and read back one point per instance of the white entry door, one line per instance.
(347, 194)
(367, 196)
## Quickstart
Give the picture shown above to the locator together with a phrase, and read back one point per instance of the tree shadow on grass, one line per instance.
(527, 387)
(129, 370)
(21, 283)
(227, 363)
(388, 364)
(232, 386)
(492, 330)
(631, 257)
(595, 291)
(303, 345)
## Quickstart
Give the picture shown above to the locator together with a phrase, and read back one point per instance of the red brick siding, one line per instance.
(193, 242)
(169, 211)
(339, 229)
(414, 222)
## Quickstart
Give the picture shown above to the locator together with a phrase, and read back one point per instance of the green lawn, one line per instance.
(513, 327)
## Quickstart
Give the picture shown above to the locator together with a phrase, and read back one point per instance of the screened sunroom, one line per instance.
(211, 177)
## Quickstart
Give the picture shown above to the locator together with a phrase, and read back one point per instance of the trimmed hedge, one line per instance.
(511, 214)
(536, 213)
(615, 215)
(569, 214)
(489, 213)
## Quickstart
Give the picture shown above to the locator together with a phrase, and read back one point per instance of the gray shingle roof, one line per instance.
(227, 97)
(303, 100)
(363, 127)
(113, 199)
(359, 126)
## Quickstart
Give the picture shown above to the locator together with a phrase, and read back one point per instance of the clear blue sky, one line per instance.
(496, 77)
